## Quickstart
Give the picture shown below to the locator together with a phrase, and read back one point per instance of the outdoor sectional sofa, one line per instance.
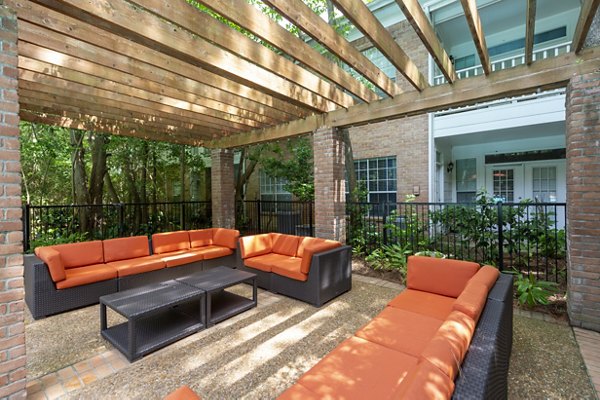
(68, 276)
(310, 269)
(448, 335)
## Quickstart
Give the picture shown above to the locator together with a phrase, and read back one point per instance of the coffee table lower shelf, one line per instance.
(225, 305)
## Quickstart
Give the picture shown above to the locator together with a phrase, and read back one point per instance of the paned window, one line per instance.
(378, 175)
(544, 184)
(272, 190)
(466, 180)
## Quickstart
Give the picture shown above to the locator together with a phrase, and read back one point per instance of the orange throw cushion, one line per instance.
(86, 275)
(448, 347)
(358, 369)
(75, 255)
(226, 237)
(298, 392)
(125, 248)
(290, 268)
(400, 330)
(310, 250)
(487, 275)
(170, 241)
(425, 382)
(286, 245)
(429, 304)
(201, 237)
(137, 265)
(266, 262)
(182, 393)
(472, 300)
(440, 276)
(209, 252)
(52, 259)
(177, 258)
(255, 245)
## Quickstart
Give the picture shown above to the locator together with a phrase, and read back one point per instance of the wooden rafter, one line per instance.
(541, 75)
(303, 17)
(474, 22)
(362, 18)
(250, 18)
(530, 31)
(420, 23)
(589, 9)
(152, 31)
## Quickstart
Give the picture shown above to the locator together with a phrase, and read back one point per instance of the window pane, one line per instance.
(466, 175)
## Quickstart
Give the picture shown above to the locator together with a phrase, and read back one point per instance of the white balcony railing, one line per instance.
(509, 62)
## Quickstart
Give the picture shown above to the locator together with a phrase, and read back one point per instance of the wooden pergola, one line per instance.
(167, 71)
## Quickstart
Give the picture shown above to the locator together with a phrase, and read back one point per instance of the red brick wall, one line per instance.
(330, 184)
(223, 188)
(12, 336)
(583, 199)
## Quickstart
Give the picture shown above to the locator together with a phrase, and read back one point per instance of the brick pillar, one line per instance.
(330, 184)
(12, 337)
(583, 200)
(223, 188)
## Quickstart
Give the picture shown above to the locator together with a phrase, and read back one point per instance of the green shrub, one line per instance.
(49, 240)
(390, 258)
(531, 291)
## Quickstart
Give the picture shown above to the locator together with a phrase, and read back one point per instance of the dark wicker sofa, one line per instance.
(89, 270)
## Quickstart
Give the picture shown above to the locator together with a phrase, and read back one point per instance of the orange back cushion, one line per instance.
(472, 300)
(226, 237)
(170, 241)
(487, 276)
(286, 245)
(201, 237)
(309, 251)
(125, 248)
(440, 276)
(75, 255)
(52, 259)
(255, 245)
(307, 241)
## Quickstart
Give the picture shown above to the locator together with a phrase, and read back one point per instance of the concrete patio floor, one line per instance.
(257, 354)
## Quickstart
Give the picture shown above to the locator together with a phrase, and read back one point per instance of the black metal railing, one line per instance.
(528, 238)
(291, 217)
(68, 223)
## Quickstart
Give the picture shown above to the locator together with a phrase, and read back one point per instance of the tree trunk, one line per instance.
(182, 171)
(135, 196)
(99, 167)
(110, 188)
(80, 191)
(144, 179)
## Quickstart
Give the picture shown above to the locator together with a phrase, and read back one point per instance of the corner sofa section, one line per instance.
(68, 276)
(445, 336)
(310, 269)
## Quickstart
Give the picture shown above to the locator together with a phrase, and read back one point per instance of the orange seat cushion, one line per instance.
(290, 268)
(182, 393)
(358, 369)
(298, 392)
(429, 304)
(425, 382)
(400, 330)
(54, 262)
(448, 347)
(310, 250)
(226, 237)
(170, 241)
(209, 252)
(255, 245)
(74, 255)
(201, 237)
(265, 262)
(440, 276)
(177, 258)
(286, 245)
(125, 248)
(137, 265)
(86, 275)
(487, 275)
(472, 300)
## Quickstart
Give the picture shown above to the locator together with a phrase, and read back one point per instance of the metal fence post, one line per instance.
(500, 237)
(182, 218)
(385, 230)
(26, 226)
(311, 219)
(258, 216)
(121, 210)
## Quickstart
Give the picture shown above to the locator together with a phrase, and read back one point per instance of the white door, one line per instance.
(506, 182)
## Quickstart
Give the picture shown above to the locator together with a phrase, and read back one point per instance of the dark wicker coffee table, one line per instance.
(221, 304)
(157, 315)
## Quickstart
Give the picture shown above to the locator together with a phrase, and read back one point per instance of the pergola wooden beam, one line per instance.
(542, 75)
(474, 22)
(418, 19)
(530, 31)
(312, 24)
(169, 70)
(137, 24)
(586, 16)
(362, 18)
(250, 18)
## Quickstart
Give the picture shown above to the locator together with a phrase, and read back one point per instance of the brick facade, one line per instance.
(12, 329)
(583, 199)
(330, 184)
(222, 188)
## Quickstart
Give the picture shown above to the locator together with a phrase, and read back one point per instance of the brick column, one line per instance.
(330, 184)
(583, 200)
(223, 188)
(12, 336)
